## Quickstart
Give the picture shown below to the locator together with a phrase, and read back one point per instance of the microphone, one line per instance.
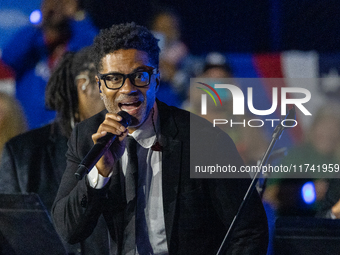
(98, 150)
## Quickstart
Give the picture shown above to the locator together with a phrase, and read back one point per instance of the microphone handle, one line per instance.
(94, 155)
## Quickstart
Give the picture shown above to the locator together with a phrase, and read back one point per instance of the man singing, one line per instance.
(142, 184)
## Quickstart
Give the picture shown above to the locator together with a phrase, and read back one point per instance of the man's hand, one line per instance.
(336, 210)
(111, 125)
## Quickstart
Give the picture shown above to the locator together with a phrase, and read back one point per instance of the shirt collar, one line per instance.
(145, 135)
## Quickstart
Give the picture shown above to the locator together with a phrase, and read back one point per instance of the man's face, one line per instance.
(137, 101)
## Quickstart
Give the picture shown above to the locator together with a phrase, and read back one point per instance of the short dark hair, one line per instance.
(125, 36)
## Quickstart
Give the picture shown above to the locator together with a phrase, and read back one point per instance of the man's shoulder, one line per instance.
(175, 122)
(167, 111)
(184, 123)
(181, 115)
(93, 122)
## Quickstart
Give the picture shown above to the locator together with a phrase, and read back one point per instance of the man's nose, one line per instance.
(128, 87)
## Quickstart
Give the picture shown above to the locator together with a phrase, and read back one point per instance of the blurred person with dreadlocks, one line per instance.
(34, 162)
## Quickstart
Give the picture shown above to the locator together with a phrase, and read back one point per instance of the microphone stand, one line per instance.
(262, 180)
(275, 137)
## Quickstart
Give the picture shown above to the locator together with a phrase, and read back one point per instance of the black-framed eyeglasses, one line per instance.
(116, 80)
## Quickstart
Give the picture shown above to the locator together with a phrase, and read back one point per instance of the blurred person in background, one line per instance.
(251, 142)
(176, 63)
(321, 146)
(12, 119)
(330, 205)
(34, 162)
(35, 50)
(214, 67)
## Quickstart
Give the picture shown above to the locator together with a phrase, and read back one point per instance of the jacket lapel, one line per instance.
(171, 166)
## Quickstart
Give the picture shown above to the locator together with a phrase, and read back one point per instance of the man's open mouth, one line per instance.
(129, 106)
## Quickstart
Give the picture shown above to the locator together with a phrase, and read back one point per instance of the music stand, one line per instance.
(306, 235)
(26, 228)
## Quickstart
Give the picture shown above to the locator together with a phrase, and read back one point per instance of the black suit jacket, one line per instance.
(34, 162)
(197, 212)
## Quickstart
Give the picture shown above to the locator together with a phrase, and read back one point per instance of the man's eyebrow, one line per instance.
(139, 68)
(142, 68)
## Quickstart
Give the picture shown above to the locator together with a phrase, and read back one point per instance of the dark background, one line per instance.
(237, 25)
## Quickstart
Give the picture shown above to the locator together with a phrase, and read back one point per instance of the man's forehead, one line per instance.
(123, 58)
(128, 53)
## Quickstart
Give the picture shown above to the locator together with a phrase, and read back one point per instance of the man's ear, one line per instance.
(82, 81)
(158, 80)
(99, 84)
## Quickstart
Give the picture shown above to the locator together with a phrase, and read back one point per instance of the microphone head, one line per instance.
(126, 121)
(290, 117)
(292, 113)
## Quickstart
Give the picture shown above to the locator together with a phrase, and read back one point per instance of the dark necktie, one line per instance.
(142, 236)
(132, 169)
(136, 230)
(131, 178)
